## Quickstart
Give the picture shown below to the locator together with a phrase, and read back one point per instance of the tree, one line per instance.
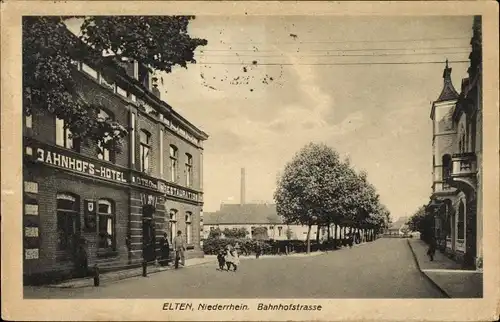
(422, 221)
(215, 233)
(307, 189)
(49, 49)
(235, 232)
(260, 233)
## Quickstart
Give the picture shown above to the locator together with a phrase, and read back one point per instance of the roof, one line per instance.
(243, 214)
(448, 93)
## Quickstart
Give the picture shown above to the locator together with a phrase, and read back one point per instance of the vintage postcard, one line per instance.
(250, 161)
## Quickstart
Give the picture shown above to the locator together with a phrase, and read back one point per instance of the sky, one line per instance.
(377, 115)
(264, 87)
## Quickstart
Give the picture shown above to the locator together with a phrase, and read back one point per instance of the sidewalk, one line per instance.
(127, 273)
(446, 274)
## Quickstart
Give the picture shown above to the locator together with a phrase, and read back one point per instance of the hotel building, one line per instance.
(117, 205)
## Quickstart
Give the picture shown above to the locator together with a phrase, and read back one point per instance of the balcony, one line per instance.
(464, 169)
(464, 165)
(442, 189)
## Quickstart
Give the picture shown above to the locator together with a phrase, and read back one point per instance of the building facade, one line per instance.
(456, 201)
(252, 215)
(117, 205)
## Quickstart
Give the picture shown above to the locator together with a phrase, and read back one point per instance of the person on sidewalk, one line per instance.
(432, 248)
(165, 250)
(221, 258)
(179, 247)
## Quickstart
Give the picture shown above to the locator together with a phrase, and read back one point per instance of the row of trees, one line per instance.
(422, 221)
(318, 188)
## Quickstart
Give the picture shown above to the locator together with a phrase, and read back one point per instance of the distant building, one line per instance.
(251, 216)
(397, 227)
(457, 161)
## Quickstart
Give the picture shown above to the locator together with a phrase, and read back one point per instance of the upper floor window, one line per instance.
(173, 162)
(446, 167)
(189, 169)
(104, 153)
(145, 141)
(64, 137)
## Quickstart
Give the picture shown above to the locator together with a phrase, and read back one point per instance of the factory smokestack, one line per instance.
(242, 191)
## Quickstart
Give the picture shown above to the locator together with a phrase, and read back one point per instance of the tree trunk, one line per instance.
(308, 250)
(335, 236)
(317, 234)
(329, 232)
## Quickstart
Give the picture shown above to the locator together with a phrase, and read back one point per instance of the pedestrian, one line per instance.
(179, 248)
(81, 257)
(231, 258)
(165, 250)
(220, 259)
(237, 248)
(432, 248)
(351, 239)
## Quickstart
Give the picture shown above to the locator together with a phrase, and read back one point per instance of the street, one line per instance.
(384, 268)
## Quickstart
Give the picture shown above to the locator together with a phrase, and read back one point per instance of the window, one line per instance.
(173, 225)
(161, 153)
(106, 214)
(173, 163)
(104, 153)
(132, 138)
(145, 140)
(64, 137)
(68, 221)
(446, 167)
(461, 221)
(189, 228)
(189, 169)
(28, 121)
(144, 76)
(280, 230)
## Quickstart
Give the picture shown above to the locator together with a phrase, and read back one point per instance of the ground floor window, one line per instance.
(68, 221)
(461, 221)
(106, 222)
(173, 225)
(189, 228)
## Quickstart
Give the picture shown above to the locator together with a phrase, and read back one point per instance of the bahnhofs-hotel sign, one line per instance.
(59, 158)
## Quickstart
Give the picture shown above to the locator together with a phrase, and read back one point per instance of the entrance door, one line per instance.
(148, 233)
(68, 224)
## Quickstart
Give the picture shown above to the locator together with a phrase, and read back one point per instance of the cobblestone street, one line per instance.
(384, 268)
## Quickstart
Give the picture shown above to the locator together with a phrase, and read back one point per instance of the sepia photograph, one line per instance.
(176, 157)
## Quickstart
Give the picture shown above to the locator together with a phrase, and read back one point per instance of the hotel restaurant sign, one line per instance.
(164, 188)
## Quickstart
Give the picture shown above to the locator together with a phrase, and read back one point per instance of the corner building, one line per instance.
(117, 205)
(456, 201)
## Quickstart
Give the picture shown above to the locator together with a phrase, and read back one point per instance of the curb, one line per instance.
(90, 282)
(423, 273)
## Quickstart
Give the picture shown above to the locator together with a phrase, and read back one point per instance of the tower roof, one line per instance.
(448, 93)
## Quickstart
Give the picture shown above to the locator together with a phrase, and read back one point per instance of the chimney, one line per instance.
(242, 192)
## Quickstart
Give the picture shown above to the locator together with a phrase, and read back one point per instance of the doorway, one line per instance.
(148, 233)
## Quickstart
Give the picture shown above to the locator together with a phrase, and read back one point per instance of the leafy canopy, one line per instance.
(159, 42)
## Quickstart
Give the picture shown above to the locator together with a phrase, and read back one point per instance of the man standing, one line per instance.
(179, 247)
